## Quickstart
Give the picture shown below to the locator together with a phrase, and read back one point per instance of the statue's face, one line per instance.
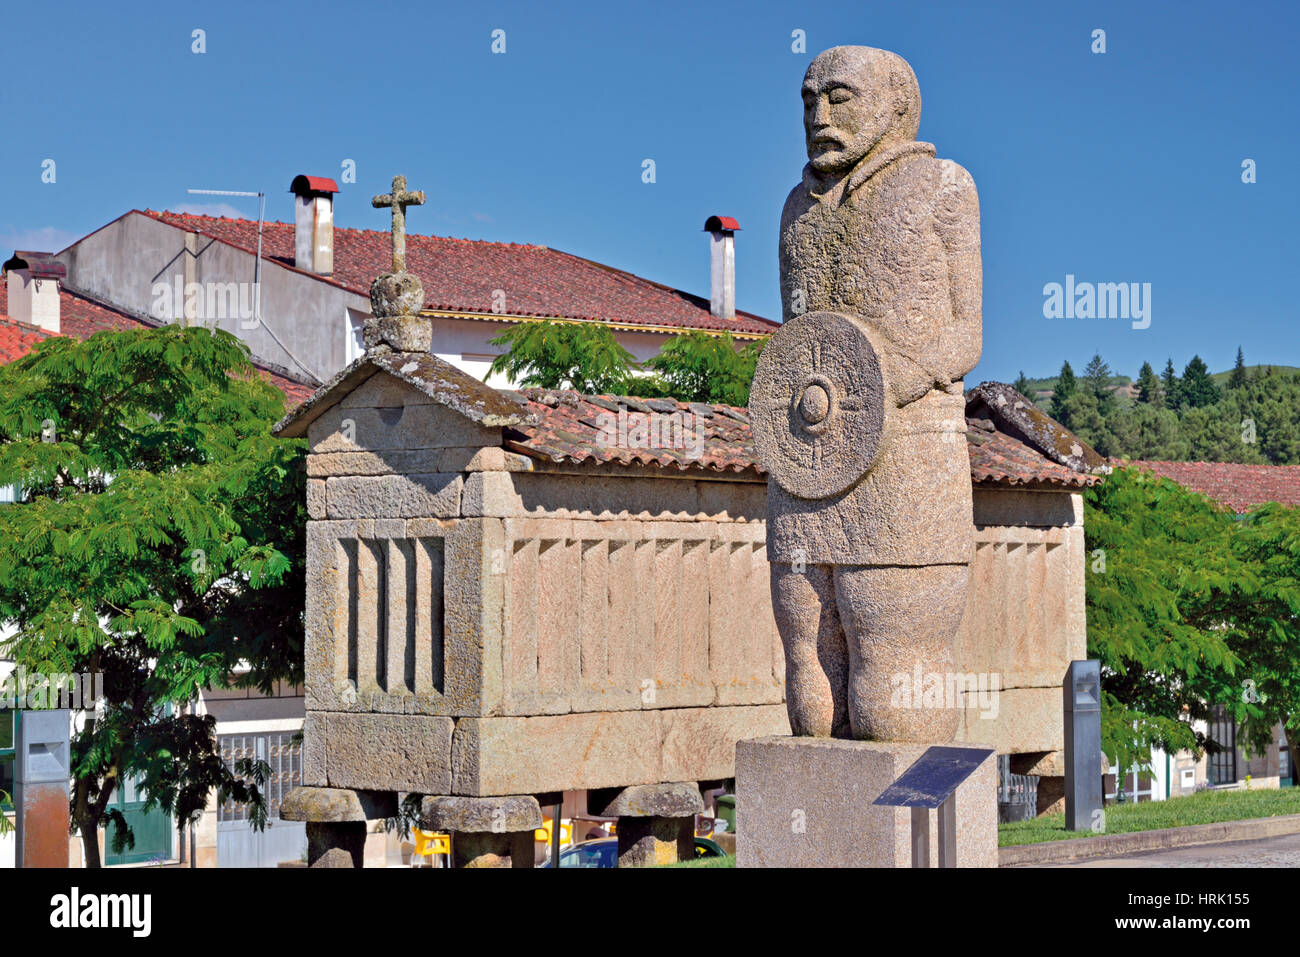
(847, 109)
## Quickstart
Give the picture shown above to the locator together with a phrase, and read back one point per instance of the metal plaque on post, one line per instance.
(932, 782)
(1082, 692)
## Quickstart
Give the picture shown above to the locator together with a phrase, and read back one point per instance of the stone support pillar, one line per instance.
(485, 831)
(336, 821)
(656, 822)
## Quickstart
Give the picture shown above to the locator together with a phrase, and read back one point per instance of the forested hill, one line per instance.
(1248, 414)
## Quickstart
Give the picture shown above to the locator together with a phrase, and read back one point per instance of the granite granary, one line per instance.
(503, 603)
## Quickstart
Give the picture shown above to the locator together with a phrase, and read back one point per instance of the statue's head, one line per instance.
(855, 99)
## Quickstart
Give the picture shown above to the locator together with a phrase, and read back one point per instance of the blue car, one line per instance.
(603, 852)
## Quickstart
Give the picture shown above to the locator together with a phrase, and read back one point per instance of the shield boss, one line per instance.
(817, 405)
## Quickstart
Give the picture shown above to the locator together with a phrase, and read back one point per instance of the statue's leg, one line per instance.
(900, 624)
(816, 658)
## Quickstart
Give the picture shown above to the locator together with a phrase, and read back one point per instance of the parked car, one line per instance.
(603, 852)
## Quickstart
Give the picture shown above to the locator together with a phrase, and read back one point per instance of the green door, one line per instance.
(152, 830)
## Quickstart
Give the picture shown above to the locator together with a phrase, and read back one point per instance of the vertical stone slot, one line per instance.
(558, 645)
(428, 636)
(668, 614)
(1036, 580)
(401, 610)
(350, 574)
(719, 614)
(519, 658)
(594, 611)
(371, 598)
(620, 649)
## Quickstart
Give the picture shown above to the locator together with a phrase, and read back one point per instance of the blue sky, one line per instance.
(1123, 166)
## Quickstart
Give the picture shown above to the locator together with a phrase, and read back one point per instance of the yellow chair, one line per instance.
(429, 843)
(543, 834)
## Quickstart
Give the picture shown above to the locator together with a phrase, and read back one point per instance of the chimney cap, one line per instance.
(721, 224)
(305, 185)
(39, 265)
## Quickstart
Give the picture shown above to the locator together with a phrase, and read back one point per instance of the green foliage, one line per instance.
(1063, 391)
(1149, 391)
(1170, 386)
(699, 367)
(1023, 385)
(1238, 377)
(159, 541)
(1198, 389)
(1096, 378)
(1157, 553)
(1190, 607)
(584, 356)
(1256, 421)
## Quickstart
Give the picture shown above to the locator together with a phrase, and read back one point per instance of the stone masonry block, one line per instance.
(386, 752)
(435, 495)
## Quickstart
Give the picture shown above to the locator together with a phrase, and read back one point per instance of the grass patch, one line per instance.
(1206, 807)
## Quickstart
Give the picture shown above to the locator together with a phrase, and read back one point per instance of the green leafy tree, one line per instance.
(584, 356)
(1160, 558)
(699, 367)
(1022, 385)
(1063, 391)
(1198, 389)
(1238, 377)
(1149, 391)
(1263, 622)
(159, 541)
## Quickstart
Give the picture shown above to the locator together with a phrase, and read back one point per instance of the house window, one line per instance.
(1223, 759)
(279, 750)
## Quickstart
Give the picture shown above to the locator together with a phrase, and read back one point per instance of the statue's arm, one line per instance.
(957, 218)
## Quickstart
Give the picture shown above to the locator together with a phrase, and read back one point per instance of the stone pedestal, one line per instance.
(806, 802)
(336, 821)
(485, 832)
(336, 844)
(656, 822)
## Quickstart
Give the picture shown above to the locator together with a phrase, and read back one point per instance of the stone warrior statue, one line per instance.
(857, 406)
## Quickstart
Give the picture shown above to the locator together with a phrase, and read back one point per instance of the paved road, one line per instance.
(1267, 852)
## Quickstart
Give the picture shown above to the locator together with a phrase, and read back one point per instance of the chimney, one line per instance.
(313, 247)
(722, 265)
(33, 287)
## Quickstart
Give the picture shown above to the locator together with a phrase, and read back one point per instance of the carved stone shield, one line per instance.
(817, 405)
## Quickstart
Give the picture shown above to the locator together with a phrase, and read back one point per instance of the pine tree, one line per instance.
(1066, 386)
(1238, 377)
(1170, 386)
(1096, 377)
(1022, 385)
(1148, 386)
(1198, 389)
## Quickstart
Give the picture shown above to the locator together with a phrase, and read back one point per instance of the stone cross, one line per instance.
(399, 199)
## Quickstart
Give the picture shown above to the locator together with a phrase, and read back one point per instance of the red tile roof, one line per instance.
(462, 275)
(1239, 487)
(17, 338)
(570, 427)
(81, 317)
